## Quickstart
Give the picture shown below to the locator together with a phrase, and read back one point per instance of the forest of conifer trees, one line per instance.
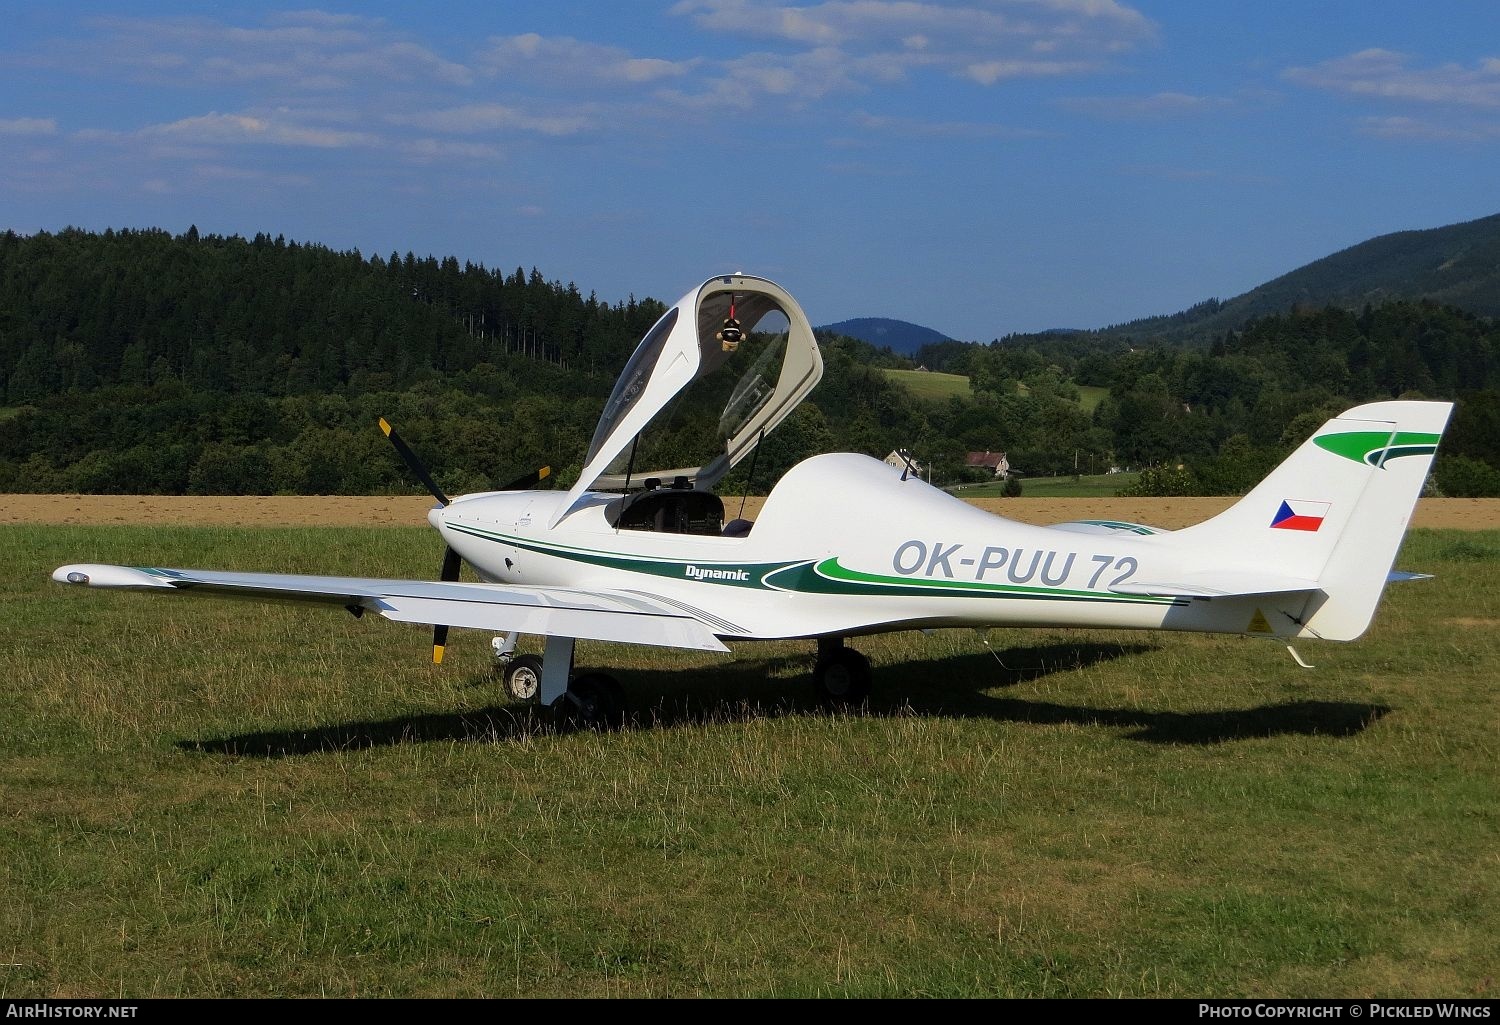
(142, 362)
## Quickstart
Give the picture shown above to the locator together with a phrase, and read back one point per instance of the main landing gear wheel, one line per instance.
(594, 701)
(523, 677)
(842, 676)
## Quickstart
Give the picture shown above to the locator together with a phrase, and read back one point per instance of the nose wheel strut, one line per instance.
(593, 701)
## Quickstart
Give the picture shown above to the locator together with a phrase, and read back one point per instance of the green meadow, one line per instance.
(934, 386)
(931, 386)
(1090, 395)
(213, 798)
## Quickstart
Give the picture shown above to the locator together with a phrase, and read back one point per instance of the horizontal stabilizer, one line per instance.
(1108, 527)
(1219, 585)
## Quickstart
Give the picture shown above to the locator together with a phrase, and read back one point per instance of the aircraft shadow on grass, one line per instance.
(749, 689)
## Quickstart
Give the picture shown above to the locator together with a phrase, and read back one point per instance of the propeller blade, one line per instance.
(452, 563)
(531, 480)
(413, 463)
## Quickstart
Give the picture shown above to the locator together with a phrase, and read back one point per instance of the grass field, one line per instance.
(1100, 485)
(1090, 395)
(214, 798)
(930, 386)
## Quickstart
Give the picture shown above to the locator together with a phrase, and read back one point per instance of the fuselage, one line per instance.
(842, 546)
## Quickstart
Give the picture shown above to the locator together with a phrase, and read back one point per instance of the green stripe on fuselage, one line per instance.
(733, 574)
(806, 576)
(828, 577)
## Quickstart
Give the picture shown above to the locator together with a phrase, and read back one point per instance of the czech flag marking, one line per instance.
(1300, 515)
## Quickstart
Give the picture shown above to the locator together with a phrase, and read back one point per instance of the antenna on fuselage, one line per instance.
(911, 466)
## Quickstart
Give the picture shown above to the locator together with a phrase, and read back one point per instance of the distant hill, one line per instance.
(901, 336)
(1457, 265)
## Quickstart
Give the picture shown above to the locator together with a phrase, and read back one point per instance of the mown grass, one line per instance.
(933, 386)
(215, 798)
(1090, 395)
(930, 385)
(1100, 485)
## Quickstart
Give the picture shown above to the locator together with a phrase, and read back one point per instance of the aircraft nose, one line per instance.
(435, 517)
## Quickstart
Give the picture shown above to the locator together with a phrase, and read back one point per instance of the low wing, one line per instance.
(630, 617)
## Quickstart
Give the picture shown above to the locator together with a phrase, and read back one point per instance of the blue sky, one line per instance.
(978, 166)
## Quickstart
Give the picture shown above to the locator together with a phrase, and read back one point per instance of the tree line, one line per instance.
(140, 361)
(1216, 418)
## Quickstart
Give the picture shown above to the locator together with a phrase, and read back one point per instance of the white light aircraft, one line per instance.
(844, 545)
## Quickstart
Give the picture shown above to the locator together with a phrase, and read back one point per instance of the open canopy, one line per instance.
(740, 340)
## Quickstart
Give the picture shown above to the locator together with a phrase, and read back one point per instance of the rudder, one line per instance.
(1336, 510)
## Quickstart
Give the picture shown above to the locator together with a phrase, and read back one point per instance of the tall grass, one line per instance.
(219, 798)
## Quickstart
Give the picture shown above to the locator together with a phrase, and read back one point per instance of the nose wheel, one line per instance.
(593, 701)
(523, 677)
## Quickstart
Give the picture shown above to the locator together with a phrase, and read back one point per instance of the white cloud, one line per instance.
(28, 126)
(740, 83)
(990, 72)
(563, 59)
(1162, 105)
(303, 50)
(484, 118)
(239, 129)
(942, 129)
(1456, 101)
(434, 150)
(323, 82)
(866, 42)
(1427, 131)
(1388, 75)
(846, 22)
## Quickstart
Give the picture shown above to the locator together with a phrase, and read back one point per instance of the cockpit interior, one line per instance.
(716, 374)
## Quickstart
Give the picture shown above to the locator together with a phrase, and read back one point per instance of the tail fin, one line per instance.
(1336, 510)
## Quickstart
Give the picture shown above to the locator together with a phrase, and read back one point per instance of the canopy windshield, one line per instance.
(716, 374)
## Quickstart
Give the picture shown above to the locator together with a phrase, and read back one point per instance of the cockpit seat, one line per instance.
(672, 511)
(738, 528)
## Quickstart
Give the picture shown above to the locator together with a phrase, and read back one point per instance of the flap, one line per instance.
(631, 618)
